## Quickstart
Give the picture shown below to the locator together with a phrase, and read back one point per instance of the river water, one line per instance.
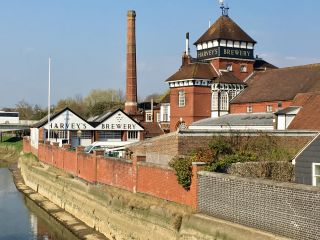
(21, 219)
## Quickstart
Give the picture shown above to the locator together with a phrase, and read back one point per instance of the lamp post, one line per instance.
(79, 132)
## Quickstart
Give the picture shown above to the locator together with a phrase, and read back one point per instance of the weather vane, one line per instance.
(224, 8)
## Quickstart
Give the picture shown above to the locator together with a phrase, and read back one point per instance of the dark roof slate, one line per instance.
(44, 120)
(225, 28)
(242, 119)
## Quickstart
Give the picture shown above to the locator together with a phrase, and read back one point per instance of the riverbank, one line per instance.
(120, 214)
(73, 228)
(117, 213)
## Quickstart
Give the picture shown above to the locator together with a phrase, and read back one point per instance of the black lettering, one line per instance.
(67, 125)
(129, 126)
(61, 126)
(72, 125)
(56, 125)
(84, 126)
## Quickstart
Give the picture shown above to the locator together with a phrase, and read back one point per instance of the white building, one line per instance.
(66, 127)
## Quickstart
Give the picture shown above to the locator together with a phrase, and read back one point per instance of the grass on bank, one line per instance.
(12, 142)
(10, 148)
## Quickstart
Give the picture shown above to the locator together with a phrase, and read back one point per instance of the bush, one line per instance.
(224, 162)
(183, 169)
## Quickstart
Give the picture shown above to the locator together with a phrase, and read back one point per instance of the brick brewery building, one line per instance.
(227, 78)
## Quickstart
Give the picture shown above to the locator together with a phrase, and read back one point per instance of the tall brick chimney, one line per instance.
(131, 83)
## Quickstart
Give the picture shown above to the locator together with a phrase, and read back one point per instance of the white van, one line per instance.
(104, 145)
(118, 152)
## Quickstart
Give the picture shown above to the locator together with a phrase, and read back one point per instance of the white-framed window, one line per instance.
(229, 67)
(109, 135)
(57, 134)
(316, 174)
(132, 135)
(232, 94)
(215, 101)
(224, 101)
(148, 117)
(182, 98)
(158, 117)
(166, 114)
(243, 68)
(269, 108)
(249, 109)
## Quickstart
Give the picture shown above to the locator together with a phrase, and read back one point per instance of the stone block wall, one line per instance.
(287, 209)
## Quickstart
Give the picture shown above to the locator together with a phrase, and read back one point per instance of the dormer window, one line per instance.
(229, 67)
(243, 68)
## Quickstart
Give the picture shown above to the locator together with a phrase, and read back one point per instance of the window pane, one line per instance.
(318, 181)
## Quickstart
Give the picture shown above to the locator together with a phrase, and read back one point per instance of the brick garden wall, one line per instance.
(286, 209)
(133, 175)
(162, 149)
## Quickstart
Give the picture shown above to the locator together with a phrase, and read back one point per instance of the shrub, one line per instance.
(183, 169)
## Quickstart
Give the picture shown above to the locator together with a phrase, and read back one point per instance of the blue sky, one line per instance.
(87, 41)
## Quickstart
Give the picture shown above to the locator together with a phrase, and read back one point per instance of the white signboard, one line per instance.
(119, 121)
(68, 121)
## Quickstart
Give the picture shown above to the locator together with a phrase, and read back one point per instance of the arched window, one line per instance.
(224, 101)
(182, 98)
(214, 103)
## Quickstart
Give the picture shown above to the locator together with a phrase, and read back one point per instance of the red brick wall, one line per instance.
(87, 166)
(257, 107)
(126, 174)
(197, 107)
(70, 162)
(162, 182)
(116, 173)
(236, 64)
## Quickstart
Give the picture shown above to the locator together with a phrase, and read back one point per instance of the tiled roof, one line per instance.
(225, 28)
(194, 71)
(309, 115)
(228, 77)
(263, 65)
(152, 129)
(280, 84)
